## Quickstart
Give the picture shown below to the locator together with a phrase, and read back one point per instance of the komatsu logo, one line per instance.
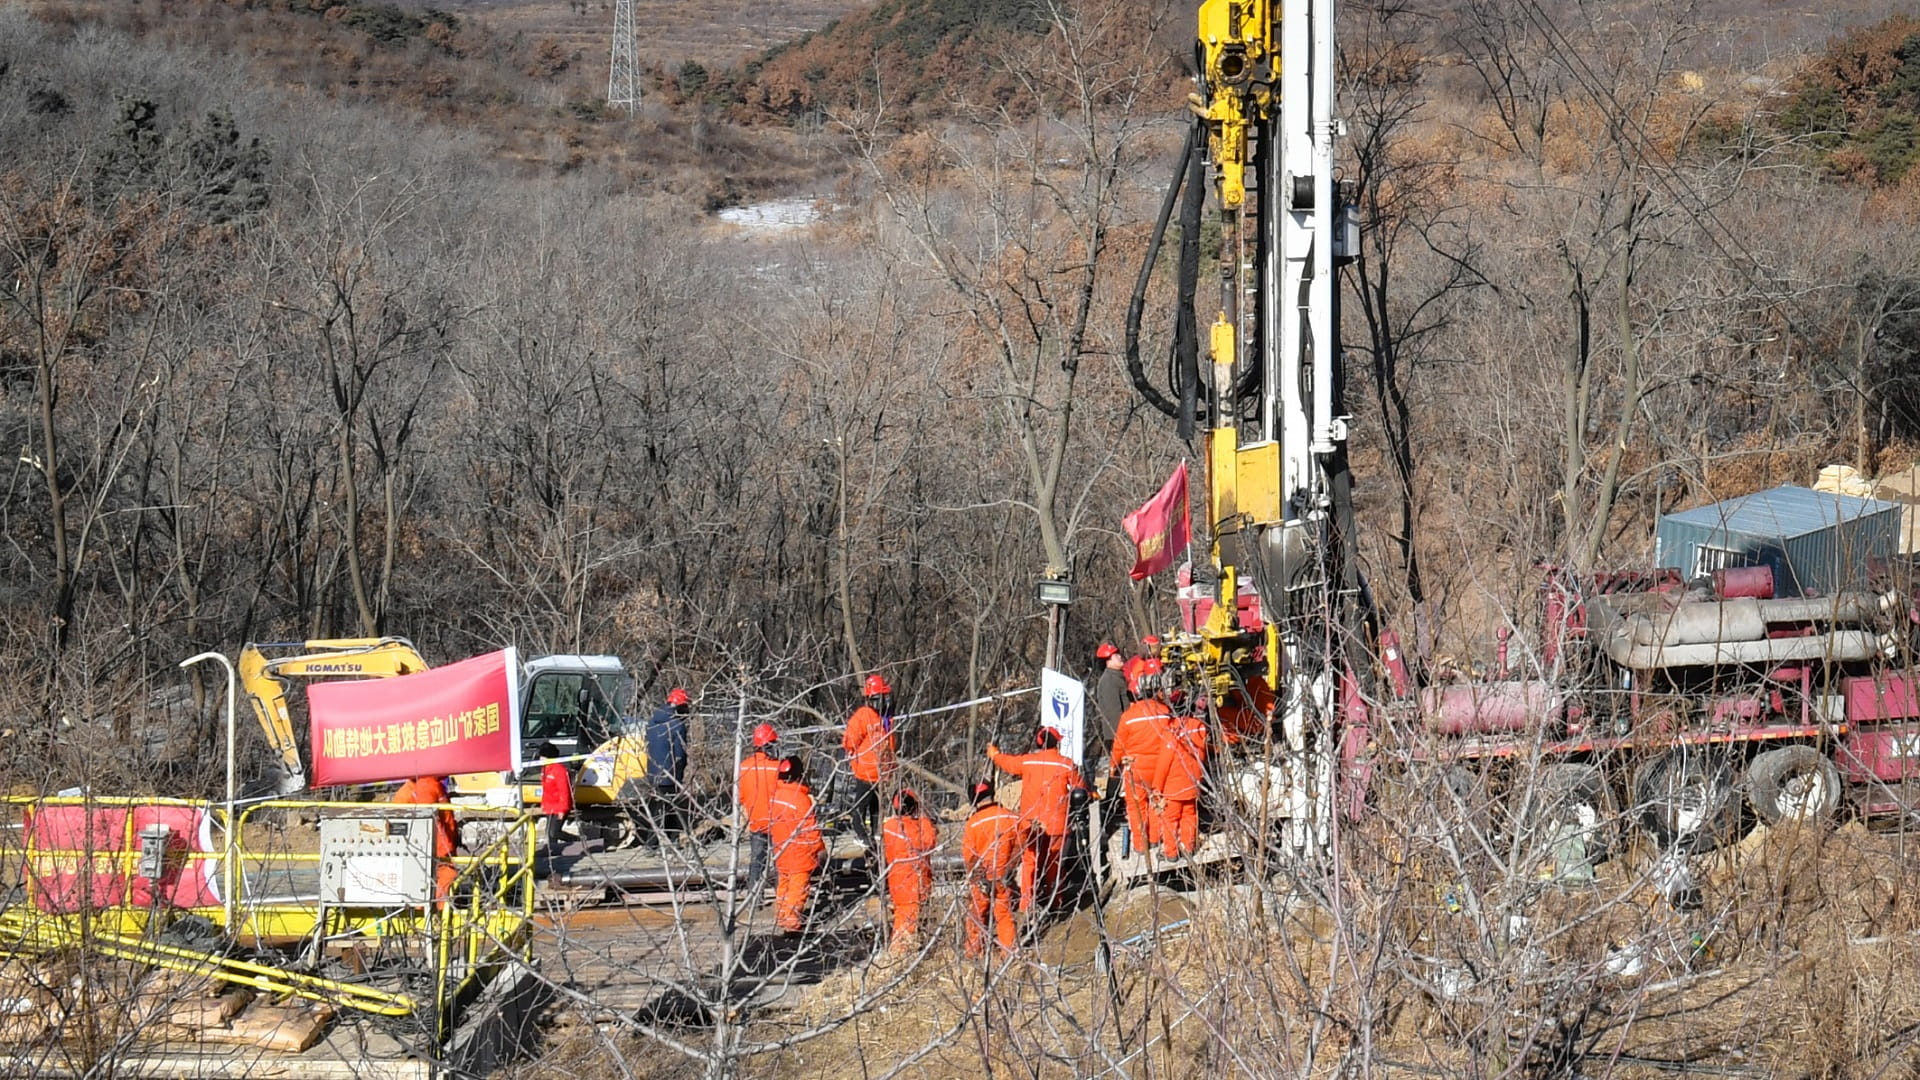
(335, 669)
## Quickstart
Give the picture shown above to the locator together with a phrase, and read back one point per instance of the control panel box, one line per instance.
(377, 859)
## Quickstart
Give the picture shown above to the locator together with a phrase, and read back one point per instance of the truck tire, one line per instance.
(1686, 799)
(1570, 794)
(1793, 783)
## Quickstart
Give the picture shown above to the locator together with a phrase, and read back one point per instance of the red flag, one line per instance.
(461, 718)
(1161, 529)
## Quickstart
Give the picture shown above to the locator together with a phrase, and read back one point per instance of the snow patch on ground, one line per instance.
(775, 215)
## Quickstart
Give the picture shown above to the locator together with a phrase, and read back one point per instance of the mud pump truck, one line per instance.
(1278, 638)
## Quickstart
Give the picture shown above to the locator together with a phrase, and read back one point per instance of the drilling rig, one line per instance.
(1277, 633)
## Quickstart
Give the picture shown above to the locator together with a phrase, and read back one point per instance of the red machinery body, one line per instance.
(1641, 663)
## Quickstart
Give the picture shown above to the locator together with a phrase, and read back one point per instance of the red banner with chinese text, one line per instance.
(461, 718)
(87, 857)
(1160, 529)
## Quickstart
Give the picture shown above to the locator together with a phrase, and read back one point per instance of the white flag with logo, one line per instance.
(1063, 707)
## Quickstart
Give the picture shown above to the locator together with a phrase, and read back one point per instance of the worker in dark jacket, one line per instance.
(1109, 699)
(667, 763)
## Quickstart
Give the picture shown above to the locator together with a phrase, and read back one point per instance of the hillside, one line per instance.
(529, 80)
(717, 33)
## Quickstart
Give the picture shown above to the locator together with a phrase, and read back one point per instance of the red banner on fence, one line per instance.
(461, 718)
(1161, 529)
(88, 857)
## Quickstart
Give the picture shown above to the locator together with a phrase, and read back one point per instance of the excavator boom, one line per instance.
(264, 680)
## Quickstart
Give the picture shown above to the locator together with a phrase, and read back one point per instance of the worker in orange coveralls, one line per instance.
(797, 846)
(1136, 759)
(908, 838)
(990, 849)
(429, 791)
(1048, 780)
(869, 744)
(759, 772)
(1176, 783)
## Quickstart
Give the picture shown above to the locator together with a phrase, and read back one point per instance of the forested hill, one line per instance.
(528, 84)
(910, 55)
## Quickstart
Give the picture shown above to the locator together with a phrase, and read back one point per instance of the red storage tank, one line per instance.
(1489, 708)
(1744, 582)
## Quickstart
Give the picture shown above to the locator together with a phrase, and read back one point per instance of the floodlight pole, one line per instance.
(227, 888)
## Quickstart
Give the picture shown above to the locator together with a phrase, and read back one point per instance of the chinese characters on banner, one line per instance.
(461, 718)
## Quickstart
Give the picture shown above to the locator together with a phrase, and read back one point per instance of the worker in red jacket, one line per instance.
(1048, 780)
(990, 848)
(1136, 760)
(556, 796)
(869, 743)
(908, 838)
(797, 846)
(759, 772)
(429, 791)
(1176, 783)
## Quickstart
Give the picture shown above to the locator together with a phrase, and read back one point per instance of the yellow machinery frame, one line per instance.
(489, 920)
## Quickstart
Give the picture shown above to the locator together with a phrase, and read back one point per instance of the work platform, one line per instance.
(166, 937)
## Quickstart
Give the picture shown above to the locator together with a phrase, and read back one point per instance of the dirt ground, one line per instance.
(1799, 961)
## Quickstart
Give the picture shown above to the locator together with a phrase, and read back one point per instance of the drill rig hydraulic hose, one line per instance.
(1184, 357)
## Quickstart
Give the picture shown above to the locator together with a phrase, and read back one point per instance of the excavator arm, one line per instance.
(264, 680)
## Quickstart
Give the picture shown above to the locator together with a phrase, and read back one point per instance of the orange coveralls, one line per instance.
(797, 851)
(991, 844)
(428, 791)
(1048, 779)
(1137, 743)
(1177, 779)
(909, 843)
(869, 745)
(758, 775)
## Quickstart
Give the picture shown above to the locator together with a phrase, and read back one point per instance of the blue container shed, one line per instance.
(1816, 542)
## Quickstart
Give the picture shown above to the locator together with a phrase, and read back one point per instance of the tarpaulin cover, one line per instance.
(87, 857)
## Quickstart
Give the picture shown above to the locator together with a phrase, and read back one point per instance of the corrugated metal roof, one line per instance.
(1783, 512)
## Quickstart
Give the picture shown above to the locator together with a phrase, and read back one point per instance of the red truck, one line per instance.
(1688, 700)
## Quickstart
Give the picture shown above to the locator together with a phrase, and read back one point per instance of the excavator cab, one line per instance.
(576, 703)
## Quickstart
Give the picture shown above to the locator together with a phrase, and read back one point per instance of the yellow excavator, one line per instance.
(573, 702)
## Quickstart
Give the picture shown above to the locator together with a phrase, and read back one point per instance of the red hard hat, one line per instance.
(789, 768)
(877, 685)
(905, 797)
(1151, 641)
(764, 735)
(1105, 650)
(678, 696)
(982, 792)
(1047, 737)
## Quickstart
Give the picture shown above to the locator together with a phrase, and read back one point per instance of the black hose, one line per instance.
(1188, 153)
(1186, 334)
